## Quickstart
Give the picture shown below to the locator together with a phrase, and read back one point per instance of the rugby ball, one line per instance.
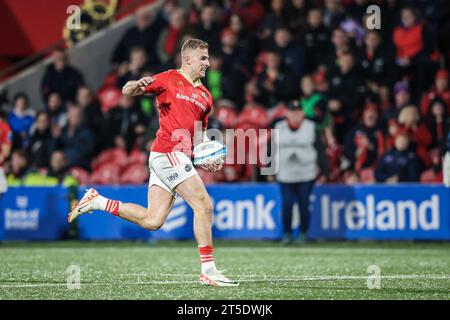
(214, 151)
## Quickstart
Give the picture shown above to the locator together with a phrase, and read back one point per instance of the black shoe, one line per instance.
(287, 240)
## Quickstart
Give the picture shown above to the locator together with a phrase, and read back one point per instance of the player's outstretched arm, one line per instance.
(136, 88)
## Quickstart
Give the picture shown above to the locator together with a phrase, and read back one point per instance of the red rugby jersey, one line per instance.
(183, 109)
(5, 136)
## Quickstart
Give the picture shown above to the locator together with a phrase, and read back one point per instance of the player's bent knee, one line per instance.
(152, 224)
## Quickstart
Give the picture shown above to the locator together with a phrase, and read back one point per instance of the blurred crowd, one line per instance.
(380, 99)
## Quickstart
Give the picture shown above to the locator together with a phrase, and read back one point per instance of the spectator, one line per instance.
(123, 124)
(297, 12)
(133, 70)
(357, 9)
(313, 103)
(246, 41)
(400, 164)
(376, 61)
(215, 80)
(61, 77)
(291, 54)
(354, 30)
(420, 137)
(56, 110)
(169, 36)
(208, 28)
(440, 90)
(413, 48)
(20, 120)
(41, 137)
(275, 83)
(438, 122)
(19, 168)
(251, 11)
(92, 113)
(75, 140)
(334, 13)
(300, 151)
(401, 99)
(58, 172)
(276, 16)
(316, 40)
(234, 67)
(144, 34)
(346, 95)
(364, 144)
(340, 44)
(195, 11)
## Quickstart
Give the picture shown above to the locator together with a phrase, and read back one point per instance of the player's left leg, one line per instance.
(193, 191)
(160, 202)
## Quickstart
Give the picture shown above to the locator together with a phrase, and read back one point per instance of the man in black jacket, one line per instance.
(377, 61)
(144, 34)
(400, 164)
(123, 124)
(316, 40)
(346, 94)
(61, 77)
(75, 140)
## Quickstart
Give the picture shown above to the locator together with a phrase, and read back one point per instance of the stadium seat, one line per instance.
(253, 116)
(81, 175)
(429, 176)
(110, 80)
(135, 174)
(137, 157)
(108, 173)
(277, 112)
(116, 156)
(227, 116)
(109, 98)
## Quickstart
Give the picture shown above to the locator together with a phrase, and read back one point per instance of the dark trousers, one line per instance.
(296, 192)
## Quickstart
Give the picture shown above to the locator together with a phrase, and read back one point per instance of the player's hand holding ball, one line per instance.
(213, 165)
(210, 155)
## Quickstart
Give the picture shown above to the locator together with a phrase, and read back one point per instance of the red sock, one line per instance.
(206, 254)
(113, 206)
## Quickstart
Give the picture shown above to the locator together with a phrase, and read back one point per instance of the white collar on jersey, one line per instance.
(195, 84)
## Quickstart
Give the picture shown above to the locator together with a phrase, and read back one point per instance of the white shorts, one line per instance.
(168, 170)
(3, 182)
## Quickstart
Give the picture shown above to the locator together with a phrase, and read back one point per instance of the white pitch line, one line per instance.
(300, 278)
(262, 279)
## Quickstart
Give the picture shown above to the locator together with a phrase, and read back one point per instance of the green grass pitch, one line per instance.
(265, 270)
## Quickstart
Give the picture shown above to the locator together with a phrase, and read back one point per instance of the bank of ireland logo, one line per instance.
(22, 202)
(177, 217)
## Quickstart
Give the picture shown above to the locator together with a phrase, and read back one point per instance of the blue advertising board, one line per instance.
(241, 211)
(34, 213)
(381, 212)
(104, 226)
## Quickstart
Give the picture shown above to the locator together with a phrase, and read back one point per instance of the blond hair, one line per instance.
(193, 44)
(406, 110)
